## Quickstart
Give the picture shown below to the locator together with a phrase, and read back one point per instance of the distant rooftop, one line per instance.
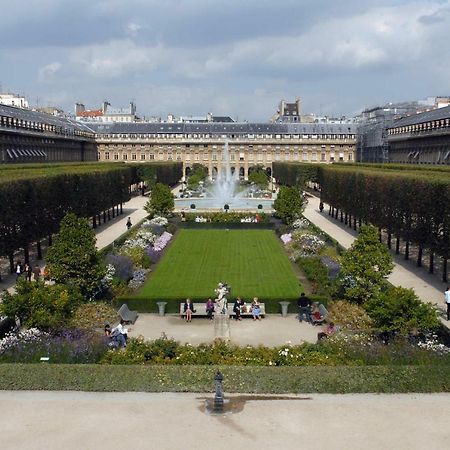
(428, 116)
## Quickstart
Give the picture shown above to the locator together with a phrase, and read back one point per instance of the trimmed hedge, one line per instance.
(145, 305)
(258, 380)
(295, 174)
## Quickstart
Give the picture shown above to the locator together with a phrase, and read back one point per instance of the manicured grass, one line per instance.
(253, 262)
(260, 380)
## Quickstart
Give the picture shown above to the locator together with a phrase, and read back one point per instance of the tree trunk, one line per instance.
(346, 219)
(329, 210)
(444, 270)
(407, 250)
(94, 222)
(50, 240)
(360, 223)
(431, 263)
(419, 256)
(39, 250)
(104, 216)
(354, 223)
(121, 208)
(397, 246)
(342, 216)
(26, 253)
(380, 235)
(389, 240)
(11, 262)
(109, 214)
(113, 212)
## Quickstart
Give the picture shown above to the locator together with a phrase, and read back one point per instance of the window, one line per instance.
(241, 156)
(331, 156)
(341, 156)
(214, 157)
(350, 156)
(232, 157)
(116, 156)
(133, 156)
(313, 156)
(323, 156)
(151, 156)
(142, 156)
(305, 156)
(106, 155)
(124, 156)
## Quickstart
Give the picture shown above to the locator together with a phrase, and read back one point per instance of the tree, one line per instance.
(73, 258)
(259, 177)
(365, 266)
(41, 306)
(399, 310)
(161, 200)
(288, 204)
(198, 173)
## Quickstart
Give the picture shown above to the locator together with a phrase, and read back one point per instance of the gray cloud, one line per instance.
(237, 58)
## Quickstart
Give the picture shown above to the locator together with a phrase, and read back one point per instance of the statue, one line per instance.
(221, 300)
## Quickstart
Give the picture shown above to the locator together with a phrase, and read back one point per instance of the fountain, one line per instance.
(224, 194)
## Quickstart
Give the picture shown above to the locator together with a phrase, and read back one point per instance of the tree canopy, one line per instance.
(161, 200)
(289, 204)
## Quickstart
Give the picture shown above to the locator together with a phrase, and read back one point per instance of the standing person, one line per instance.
(28, 271)
(36, 273)
(129, 224)
(19, 269)
(210, 308)
(447, 300)
(238, 304)
(321, 206)
(304, 308)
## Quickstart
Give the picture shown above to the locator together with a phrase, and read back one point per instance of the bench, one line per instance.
(200, 310)
(126, 315)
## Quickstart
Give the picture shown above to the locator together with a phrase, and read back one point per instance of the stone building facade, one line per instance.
(421, 138)
(29, 136)
(249, 144)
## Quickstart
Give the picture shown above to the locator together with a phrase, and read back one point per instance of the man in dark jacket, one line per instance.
(304, 308)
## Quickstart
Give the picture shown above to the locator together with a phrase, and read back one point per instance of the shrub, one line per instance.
(123, 266)
(41, 306)
(137, 255)
(365, 266)
(399, 310)
(92, 316)
(317, 274)
(161, 200)
(289, 204)
(349, 316)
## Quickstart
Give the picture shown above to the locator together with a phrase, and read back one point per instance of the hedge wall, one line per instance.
(295, 174)
(257, 380)
(168, 173)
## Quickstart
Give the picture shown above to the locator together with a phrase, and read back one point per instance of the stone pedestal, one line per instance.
(284, 308)
(222, 326)
(162, 308)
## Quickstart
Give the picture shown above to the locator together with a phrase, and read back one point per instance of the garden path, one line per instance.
(426, 286)
(89, 420)
(106, 233)
(246, 332)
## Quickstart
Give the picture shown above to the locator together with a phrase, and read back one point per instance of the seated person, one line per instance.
(210, 308)
(329, 331)
(119, 334)
(238, 304)
(316, 316)
(188, 309)
(256, 309)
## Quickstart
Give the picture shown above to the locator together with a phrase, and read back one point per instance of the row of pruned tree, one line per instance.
(32, 207)
(411, 205)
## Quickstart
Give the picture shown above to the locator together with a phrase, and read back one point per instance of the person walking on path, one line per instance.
(447, 301)
(19, 269)
(28, 272)
(129, 224)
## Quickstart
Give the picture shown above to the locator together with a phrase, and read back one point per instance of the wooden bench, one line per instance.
(200, 310)
(126, 315)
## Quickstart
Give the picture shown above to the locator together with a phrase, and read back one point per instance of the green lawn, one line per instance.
(253, 262)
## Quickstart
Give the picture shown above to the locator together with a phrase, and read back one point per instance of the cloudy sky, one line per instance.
(236, 57)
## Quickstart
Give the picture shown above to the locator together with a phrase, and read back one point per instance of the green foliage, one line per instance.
(365, 266)
(349, 316)
(161, 201)
(261, 380)
(159, 172)
(317, 274)
(227, 217)
(295, 174)
(138, 256)
(259, 176)
(41, 306)
(198, 173)
(399, 310)
(93, 316)
(289, 204)
(73, 258)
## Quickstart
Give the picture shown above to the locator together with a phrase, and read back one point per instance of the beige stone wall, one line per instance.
(243, 153)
